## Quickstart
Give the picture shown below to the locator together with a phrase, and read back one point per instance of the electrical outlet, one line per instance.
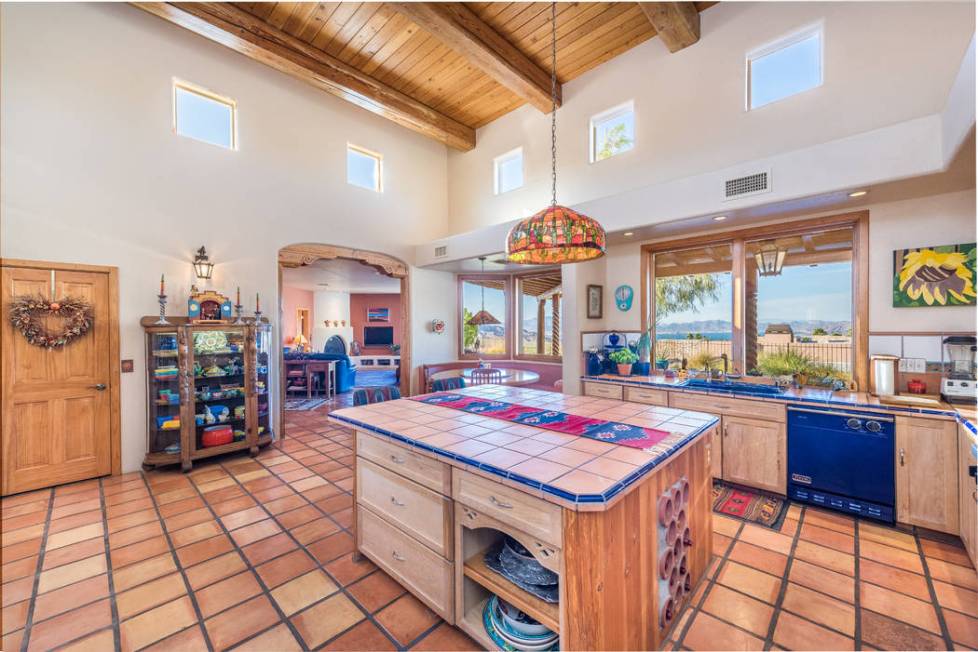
(919, 365)
(904, 364)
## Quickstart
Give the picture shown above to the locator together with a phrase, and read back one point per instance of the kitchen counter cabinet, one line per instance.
(967, 494)
(927, 473)
(754, 453)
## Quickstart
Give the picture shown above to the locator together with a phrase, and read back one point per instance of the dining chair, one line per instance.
(367, 395)
(448, 384)
(482, 376)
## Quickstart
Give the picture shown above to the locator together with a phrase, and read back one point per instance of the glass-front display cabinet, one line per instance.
(207, 389)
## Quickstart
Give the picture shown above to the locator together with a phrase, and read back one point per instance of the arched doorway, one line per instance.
(299, 255)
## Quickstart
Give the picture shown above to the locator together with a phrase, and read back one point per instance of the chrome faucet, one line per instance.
(726, 365)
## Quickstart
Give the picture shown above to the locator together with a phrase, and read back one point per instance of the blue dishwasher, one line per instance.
(842, 460)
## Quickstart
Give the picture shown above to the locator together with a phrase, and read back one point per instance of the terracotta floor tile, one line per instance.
(71, 596)
(24, 520)
(747, 613)
(375, 591)
(958, 598)
(335, 503)
(13, 640)
(143, 571)
(709, 633)
(201, 551)
(447, 638)
(255, 532)
(365, 636)
(71, 625)
(894, 578)
(766, 538)
(346, 571)
(284, 568)
(759, 558)
(21, 549)
(953, 574)
(304, 590)
(326, 619)
(22, 534)
(240, 622)
(820, 608)
(234, 505)
(314, 530)
(887, 536)
(889, 555)
(195, 533)
(332, 547)
(151, 626)
(726, 526)
(188, 640)
(15, 570)
(121, 509)
(821, 579)
(138, 552)
(828, 538)
(343, 518)
(224, 594)
(898, 606)
(945, 552)
(889, 634)
(750, 581)
(186, 519)
(149, 595)
(285, 504)
(269, 548)
(795, 633)
(16, 591)
(15, 616)
(297, 517)
(406, 619)
(101, 640)
(214, 569)
(830, 520)
(963, 629)
(721, 544)
(135, 534)
(278, 638)
(180, 506)
(132, 520)
(93, 517)
(71, 573)
(245, 517)
(834, 560)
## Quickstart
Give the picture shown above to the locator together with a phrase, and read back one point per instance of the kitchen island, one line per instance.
(443, 480)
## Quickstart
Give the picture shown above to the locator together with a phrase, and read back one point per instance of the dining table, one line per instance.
(514, 377)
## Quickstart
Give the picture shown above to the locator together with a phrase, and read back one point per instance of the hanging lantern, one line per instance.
(483, 317)
(203, 267)
(769, 258)
(556, 234)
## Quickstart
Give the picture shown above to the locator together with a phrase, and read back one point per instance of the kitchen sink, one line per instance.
(733, 386)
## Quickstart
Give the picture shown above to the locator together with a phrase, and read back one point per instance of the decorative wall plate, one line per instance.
(624, 295)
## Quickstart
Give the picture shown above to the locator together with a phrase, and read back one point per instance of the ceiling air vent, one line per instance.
(441, 251)
(752, 184)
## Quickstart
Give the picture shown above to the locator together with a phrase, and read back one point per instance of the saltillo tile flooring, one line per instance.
(256, 554)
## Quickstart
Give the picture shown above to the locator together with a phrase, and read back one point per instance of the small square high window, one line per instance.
(363, 168)
(204, 116)
(787, 67)
(508, 171)
(612, 132)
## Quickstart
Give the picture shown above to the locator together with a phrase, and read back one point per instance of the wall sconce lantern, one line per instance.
(203, 267)
(769, 259)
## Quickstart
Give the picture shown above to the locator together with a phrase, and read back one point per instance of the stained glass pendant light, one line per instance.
(556, 234)
(482, 318)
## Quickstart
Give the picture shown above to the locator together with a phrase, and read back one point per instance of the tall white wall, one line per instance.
(434, 295)
(92, 172)
(332, 306)
(885, 64)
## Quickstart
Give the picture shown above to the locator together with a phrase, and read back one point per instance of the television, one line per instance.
(378, 335)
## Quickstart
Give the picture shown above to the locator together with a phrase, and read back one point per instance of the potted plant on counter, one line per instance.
(624, 358)
(707, 362)
(644, 346)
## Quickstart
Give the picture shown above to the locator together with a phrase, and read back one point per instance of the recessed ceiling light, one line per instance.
(628, 234)
(858, 193)
(719, 218)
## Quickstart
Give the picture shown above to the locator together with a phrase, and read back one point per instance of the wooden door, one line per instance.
(967, 494)
(57, 403)
(716, 452)
(754, 453)
(927, 473)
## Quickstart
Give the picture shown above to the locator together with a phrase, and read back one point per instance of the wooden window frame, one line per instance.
(518, 317)
(858, 221)
(507, 320)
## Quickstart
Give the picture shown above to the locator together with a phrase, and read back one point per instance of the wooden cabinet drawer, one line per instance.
(424, 470)
(723, 405)
(647, 396)
(604, 390)
(423, 572)
(524, 512)
(422, 513)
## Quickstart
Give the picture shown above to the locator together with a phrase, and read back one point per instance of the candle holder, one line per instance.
(237, 313)
(162, 320)
(258, 316)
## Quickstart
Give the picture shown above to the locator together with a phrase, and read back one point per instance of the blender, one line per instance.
(958, 384)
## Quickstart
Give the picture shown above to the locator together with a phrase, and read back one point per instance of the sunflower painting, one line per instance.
(934, 276)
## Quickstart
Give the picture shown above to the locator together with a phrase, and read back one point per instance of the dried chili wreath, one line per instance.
(26, 313)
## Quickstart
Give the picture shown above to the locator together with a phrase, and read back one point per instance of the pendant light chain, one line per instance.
(553, 100)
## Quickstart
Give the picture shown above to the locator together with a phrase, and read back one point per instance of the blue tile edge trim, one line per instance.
(603, 497)
(787, 399)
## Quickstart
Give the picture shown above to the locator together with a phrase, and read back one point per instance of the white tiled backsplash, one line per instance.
(915, 351)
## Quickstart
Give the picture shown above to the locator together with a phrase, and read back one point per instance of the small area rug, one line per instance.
(303, 403)
(749, 505)
(375, 377)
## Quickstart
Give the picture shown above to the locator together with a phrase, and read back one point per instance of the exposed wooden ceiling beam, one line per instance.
(244, 33)
(676, 23)
(463, 31)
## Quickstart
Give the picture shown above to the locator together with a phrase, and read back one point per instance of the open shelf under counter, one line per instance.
(471, 623)
(548, 614)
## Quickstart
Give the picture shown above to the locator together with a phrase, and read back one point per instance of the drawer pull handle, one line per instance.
(396, 502)
(397, 557)
(396, 460)
(498, 503)
(902, 454)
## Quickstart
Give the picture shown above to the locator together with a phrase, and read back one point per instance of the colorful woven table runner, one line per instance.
(612, 432)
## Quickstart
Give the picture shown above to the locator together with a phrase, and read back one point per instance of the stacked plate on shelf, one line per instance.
(513, 630)
(514, 562)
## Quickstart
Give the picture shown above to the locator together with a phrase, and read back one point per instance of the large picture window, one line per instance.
(485, 315)
(766, 300)
(539, 304)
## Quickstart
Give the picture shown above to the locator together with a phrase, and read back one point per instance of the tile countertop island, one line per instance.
(438, 488)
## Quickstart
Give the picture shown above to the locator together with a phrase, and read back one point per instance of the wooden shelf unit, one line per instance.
(476, 570)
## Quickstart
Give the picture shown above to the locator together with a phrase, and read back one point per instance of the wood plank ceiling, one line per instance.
(443, 69)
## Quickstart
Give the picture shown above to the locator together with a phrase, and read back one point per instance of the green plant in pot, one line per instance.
(786, 363)
(624, 358)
